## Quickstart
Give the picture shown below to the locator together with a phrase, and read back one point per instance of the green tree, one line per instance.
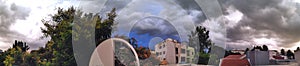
(2, 58)
(73, 25)
(200, 40)
(203, 37)
(16, 55)
(83, 24)
(59, 29)
(9, 61)
(104, 29)
(203, 58)
(89, 30)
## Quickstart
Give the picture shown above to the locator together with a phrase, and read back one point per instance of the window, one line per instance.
(176, 59)
(188, 60)
(182, 50)
(164, 52)
(157, 53)
(176, 50)
(160, 53)
(182, 59)
(188, 52)
(159, 47)
(164, 46)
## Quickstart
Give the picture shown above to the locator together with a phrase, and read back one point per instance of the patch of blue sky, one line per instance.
(144, 39)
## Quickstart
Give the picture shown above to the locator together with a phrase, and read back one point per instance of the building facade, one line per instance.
(174, 52)
(190, 54)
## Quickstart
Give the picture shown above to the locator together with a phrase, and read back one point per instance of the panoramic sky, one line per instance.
(274, 23)
(21, 20)
(243, 23)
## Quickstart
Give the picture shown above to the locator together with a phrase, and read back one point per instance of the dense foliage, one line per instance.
(58, 51)
(199, 39)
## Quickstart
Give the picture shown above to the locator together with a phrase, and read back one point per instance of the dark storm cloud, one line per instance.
(154, 26)
(9, 13)
(275, 18)
(192, 7)
(182, 19)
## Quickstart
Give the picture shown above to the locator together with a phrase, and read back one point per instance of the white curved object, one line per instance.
(103, 55)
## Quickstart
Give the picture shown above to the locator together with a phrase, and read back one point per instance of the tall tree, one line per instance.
(203, 37)
(104, 29)
(201, 34)
(59, 29)
(89, 30)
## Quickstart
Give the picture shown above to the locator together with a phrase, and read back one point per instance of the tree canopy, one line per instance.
(203, 36)
(18, 55)
(60, 30)
(199, 39)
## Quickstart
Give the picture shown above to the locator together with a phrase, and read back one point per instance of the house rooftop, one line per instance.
(234, 60)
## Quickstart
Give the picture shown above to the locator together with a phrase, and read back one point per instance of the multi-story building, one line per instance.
(190, 52)
(173, 51)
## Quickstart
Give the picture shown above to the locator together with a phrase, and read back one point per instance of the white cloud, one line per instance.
(217, 30)
(297, 1)
(168, 10)
(270, 22)
(127, 17)
(234, 16)
(30, 26)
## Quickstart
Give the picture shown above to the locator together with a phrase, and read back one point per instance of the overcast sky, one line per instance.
(274, 23)
(244, 23)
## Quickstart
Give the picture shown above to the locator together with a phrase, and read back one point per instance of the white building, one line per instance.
(190, 54)
(172, 51)
(259, 57)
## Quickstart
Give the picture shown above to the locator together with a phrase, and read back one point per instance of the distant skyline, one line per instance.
(243, 24)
